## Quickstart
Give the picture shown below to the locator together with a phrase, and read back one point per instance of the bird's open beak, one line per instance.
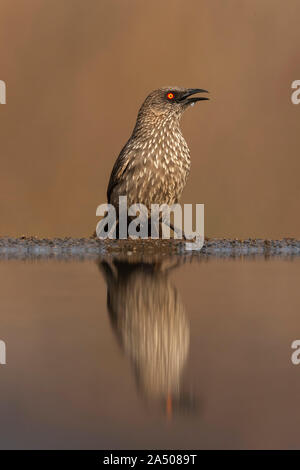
(192, 91)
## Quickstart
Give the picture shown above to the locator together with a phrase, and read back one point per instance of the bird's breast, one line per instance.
(165, 168)
(158, 167)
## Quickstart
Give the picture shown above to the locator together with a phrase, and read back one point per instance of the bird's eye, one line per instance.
(170, 96)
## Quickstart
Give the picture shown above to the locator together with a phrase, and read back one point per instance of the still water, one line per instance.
(117, 354)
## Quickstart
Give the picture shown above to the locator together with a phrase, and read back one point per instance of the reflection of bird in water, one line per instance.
(149, 319)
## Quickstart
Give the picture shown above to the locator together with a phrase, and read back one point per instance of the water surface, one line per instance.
(124, 354)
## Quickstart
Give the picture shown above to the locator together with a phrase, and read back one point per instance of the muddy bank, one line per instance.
(90, 248)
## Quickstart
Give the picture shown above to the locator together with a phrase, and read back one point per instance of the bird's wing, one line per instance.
(118, 171)
(124, 167)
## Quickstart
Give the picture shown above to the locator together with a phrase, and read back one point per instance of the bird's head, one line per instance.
(171, 101)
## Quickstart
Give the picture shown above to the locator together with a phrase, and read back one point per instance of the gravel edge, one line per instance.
(63, 248)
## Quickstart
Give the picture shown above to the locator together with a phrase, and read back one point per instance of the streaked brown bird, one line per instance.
(154, 164)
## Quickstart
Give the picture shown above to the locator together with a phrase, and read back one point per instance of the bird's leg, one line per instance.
(175, 229)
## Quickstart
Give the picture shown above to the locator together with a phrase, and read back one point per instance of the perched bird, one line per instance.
(153, 166)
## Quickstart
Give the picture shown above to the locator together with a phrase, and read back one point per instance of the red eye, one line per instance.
(170, 96)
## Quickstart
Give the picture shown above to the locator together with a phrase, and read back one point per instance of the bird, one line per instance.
(154, 164)
(150, 323)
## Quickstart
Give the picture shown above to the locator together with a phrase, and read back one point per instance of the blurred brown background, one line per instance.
(77, 71)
